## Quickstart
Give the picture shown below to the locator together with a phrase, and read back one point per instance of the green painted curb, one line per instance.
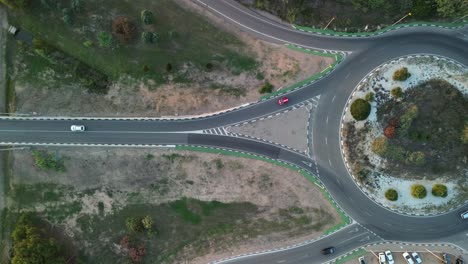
(330, 32)
(345, 220)
(351, 256)
(338, 58)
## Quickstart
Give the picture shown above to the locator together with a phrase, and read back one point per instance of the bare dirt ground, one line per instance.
(209, 93)
(288, 129)
(159, 176)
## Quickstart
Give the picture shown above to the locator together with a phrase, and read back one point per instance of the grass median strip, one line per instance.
(338, 58)
(380, 31)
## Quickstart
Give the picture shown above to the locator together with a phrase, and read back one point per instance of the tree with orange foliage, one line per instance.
(123, 29)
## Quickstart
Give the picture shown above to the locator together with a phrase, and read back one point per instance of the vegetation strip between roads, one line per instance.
(330, 32)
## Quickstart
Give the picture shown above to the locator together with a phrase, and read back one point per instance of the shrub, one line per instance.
(16, 3)
(401, 74)
(48, 161)
(123, 29)
(147, 222)
(418, 191)
(439, 190)
(67, 16)
(168, 67)
(147, 37)
(104, 39)
(369, 97)
(360, 109)
(137, 253)
(266, 88)
(391, 195)
(88, 43)
(147, 17)
(390, 131)
(77, 5)
(406, 119)
(396, 92)
(465, 134)
(379, 145)
(416, 158)
(134, 224)
(209, 66)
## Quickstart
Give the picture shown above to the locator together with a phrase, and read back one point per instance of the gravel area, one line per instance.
(289, 129)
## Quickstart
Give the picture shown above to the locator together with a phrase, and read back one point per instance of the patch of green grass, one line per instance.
(209, 207)
(181, 207)
(29, 194)
(196, 41)
(58, 212)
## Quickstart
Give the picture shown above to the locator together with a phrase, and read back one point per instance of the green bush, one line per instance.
(396, 92)
(134, 224)
(439, 190)
(147, 17)
(391, 195)
(406, 120)
(266, 88)
(104, 39)
(88, 43)
(360, 109)
(416, 158)
(48, 161)
(418, 191)
(379, 145)
(147, 37)
(401, 74)
(369, 97)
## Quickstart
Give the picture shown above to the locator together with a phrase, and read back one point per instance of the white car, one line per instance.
(464, 215)
(389, 257)
(416, 257)
(77, 128)
(408, 258)
(361, 260)
(382, 258)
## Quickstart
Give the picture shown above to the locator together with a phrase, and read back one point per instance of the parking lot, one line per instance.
(428, 254)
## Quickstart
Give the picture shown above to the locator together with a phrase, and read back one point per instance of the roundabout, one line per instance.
(371, 223)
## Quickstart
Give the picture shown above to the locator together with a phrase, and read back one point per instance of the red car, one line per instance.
(283, 101)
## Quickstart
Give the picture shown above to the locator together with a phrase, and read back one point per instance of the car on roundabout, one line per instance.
(283, 100)
(77, 128)
(328, 250)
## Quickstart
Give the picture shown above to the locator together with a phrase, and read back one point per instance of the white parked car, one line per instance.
(464, 215)
(77, 128)
(389, 257)
(382, 258)
(408, 258)
(361, 260)
(416, 257)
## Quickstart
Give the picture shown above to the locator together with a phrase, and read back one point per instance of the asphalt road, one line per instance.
(366, 54)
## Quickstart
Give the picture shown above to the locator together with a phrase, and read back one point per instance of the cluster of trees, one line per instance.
(136, 251)
(31, 244)
(16, 3)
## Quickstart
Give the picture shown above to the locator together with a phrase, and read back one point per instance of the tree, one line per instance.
(147, 37)
(123, 29)
(266, 88)
(104, 39)
(452, 8)
(424, 9)
(31, 245)
(147, 17)
(418, 191)
(147, 222)
(168, 67)
(390, 131)
(439, 190)
(391, 195)
(137, 253)
(360, 109)
(401, 74)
